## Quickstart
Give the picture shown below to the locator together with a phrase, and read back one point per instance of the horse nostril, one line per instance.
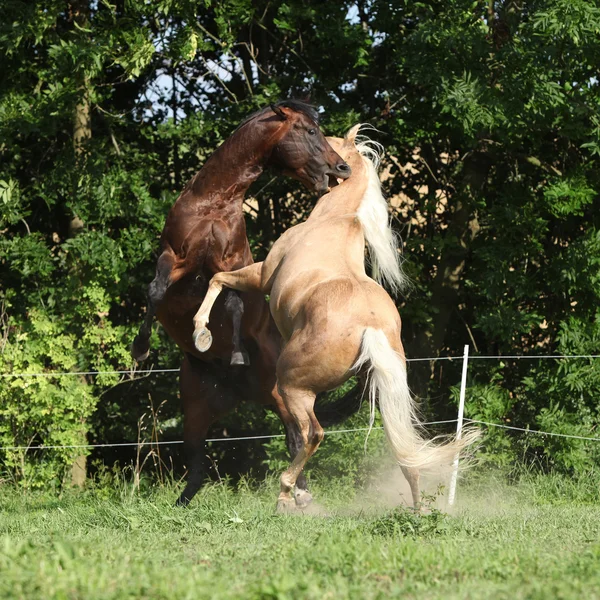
(343, 168)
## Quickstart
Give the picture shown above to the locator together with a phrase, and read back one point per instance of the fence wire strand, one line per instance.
(282, 435)
(133, 372)
(537, 431)
(533, 356)
(225, 439)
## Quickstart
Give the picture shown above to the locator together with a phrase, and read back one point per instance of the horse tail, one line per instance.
(388, 384)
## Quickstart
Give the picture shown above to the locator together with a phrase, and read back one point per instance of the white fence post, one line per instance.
(459, 424)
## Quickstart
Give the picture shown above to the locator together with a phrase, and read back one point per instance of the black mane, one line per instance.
(303, 107)
(297, 105)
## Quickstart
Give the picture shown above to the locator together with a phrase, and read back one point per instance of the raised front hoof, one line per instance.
(302, 498)
(240, 359)
(202, 339)
(140, 349)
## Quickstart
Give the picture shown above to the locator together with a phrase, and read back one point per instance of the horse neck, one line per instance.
(231, 169)
(346, 198)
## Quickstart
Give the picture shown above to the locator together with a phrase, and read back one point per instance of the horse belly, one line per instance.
(289, 293)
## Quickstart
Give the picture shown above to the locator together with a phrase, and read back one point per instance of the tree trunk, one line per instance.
(82, 132)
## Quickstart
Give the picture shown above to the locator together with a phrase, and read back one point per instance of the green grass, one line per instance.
(536, 539)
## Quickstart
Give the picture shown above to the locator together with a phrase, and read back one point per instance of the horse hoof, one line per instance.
(139, 350)
(302, 498)
(202, 339)
(285, 506)
(240, 359)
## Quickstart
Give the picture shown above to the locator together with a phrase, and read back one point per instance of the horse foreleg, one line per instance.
(156, 292)
(246, 279)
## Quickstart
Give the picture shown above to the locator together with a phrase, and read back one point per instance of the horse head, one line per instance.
(301, 150)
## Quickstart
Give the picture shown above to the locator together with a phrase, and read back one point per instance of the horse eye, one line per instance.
(312, 132)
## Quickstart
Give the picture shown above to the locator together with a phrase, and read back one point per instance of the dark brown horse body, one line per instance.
(204, 234)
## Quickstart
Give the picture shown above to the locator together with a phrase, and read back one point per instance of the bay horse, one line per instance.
(336, 321)
(205, 233)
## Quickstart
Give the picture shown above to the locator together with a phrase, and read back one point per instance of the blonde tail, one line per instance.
(388, 385)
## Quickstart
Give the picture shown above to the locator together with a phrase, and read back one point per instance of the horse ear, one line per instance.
(277, 110)
(350, 137)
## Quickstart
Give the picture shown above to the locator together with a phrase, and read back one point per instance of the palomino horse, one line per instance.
(335, 320)
(204, 234)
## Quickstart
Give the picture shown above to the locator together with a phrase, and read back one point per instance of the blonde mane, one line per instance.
(374, 217)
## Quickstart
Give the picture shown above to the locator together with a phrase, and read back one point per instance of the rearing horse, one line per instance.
(204, 234)
(335, 320)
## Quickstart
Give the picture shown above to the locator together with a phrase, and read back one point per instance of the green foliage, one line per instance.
(569, 197)
(490, 403)
(48, 410)
(406, 522)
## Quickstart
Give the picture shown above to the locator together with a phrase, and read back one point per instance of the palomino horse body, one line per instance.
(335, 320)
(204, 234)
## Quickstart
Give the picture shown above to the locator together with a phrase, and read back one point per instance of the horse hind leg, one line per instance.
(206, 398)
(234, 306)
(156, 292)
(300, 404)
(294, 445)
(412, 476)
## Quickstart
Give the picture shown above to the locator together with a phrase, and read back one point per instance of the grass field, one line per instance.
(535, 539)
